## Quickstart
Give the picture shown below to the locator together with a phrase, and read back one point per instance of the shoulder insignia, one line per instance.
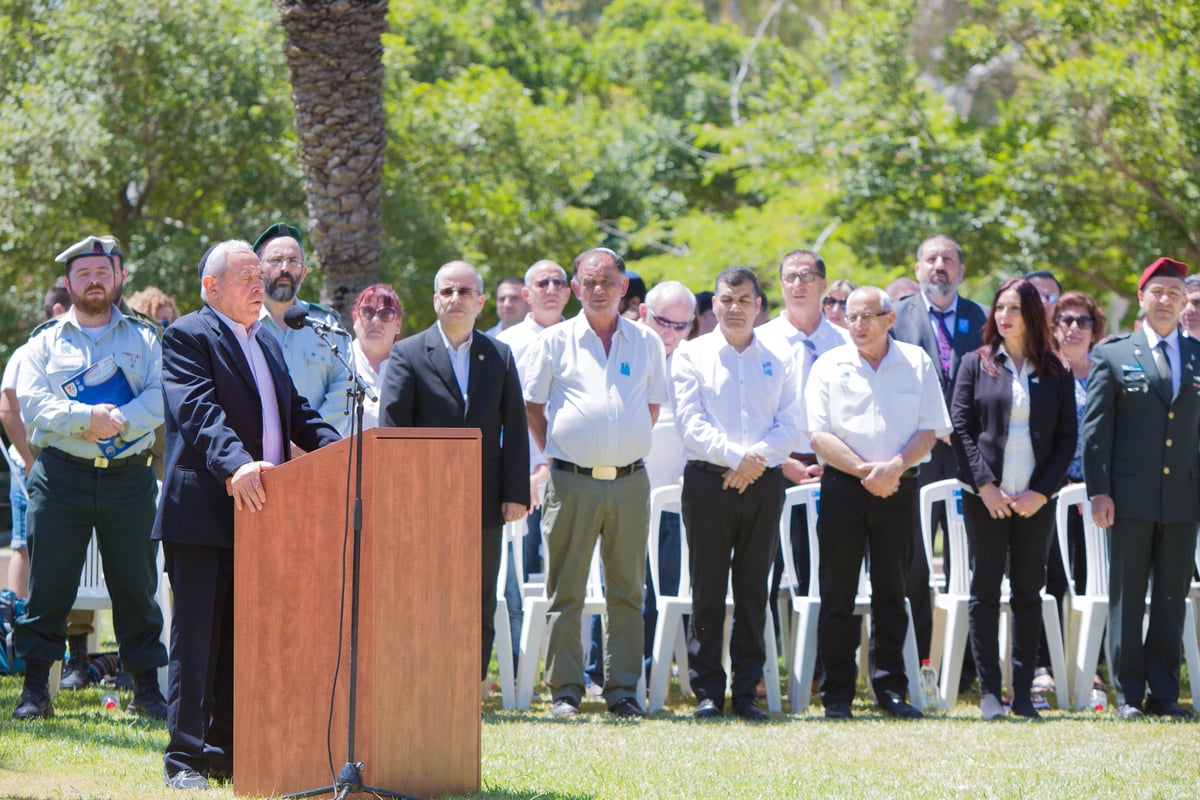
(45, 326)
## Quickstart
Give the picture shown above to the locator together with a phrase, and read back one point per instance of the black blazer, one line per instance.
(419, 390)
(980, 411)
(214, 425)
(1139, 446)
(913, 326)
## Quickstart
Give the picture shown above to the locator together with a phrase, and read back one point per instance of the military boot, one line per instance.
(78, 674)
(147, 699)
(35, 697)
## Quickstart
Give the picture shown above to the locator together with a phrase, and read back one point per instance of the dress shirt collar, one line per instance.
(1152, 338)
(583, 327)
(243, 333)
(451, 347)
(1005, 359)
(952, 309)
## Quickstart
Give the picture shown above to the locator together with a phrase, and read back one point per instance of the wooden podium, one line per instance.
(417, 712)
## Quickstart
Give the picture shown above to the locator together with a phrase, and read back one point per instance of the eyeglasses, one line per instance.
(865, 316)
(830, 301)
(1083, 321)
(802, 277)
(553, 284)
(465, 292)
(666, 323)
(1050, 298)
(280, 261)
(385, 314)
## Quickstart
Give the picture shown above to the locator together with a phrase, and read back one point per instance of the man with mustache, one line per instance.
(93, 473)
(317, 373)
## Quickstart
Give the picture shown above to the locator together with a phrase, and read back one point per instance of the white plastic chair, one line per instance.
(807, 608)
(1091, 608)
(535, 628)
(669, 636)
(955, 599)
(503, 640)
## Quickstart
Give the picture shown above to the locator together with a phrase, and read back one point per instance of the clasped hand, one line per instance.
(750, 469)
(107, 422)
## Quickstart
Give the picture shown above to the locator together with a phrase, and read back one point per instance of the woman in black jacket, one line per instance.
(1014, 419)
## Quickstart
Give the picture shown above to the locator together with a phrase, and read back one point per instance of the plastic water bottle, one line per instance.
(1099, 699)
(929, 685)
(110, 703)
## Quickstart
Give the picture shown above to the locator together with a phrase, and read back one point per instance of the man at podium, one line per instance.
(453, 376)
(232, 413)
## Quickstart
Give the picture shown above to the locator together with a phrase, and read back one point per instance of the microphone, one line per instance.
(296, 318)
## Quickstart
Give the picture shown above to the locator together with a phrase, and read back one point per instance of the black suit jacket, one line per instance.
(214, 425)
(1139, 446)
(420, 390)
(913, 326)
(980, 411)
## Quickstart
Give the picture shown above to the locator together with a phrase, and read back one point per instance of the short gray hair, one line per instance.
(885, 300)
(218, 260)
(664, 291)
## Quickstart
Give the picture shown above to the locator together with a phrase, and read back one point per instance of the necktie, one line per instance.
(944, 339)
(1164, 368)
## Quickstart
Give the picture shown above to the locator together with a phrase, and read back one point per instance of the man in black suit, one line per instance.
(946, 326)
(231, 414)
(453, 376)
(1141, 464)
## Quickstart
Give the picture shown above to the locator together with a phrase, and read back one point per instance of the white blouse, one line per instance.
(1018, 450)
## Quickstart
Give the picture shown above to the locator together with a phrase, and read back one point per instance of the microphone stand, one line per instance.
(349, 778)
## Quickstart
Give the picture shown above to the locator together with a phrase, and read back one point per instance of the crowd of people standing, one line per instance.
(870, 392)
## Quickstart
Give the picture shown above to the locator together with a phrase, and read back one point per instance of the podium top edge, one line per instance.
(424, 433)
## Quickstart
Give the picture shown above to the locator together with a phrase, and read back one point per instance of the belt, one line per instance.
(807, 459)
(100, 462)
(911, 472)
(708, 466)
(599, 473)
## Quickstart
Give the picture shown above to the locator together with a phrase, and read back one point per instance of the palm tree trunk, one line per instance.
(335, 53)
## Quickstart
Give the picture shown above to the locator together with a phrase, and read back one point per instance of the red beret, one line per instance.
(1163, 267)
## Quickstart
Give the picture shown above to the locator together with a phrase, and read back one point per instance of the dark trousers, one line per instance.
(1136, 549)
(66, 502)
(200, 675)
(729, 531)
(493, 540)
(853, 521)
(1023, 544)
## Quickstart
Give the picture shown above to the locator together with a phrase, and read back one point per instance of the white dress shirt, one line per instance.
(808, 349)
(518, 338)
(1019, 460)
(252, 349)
(730, 404)
(665, 462)
(597, 404)
(460, 361)
(373, 380)
(876, 411)
(1173, 352)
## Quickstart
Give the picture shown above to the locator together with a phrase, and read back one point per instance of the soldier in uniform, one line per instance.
(316, 372)
(91, 394)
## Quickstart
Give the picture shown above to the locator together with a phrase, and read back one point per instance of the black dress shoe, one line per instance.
(708, 709)
(1126, 711)
(838, 711)
(747, 708)
(894, 704)
(185, 779)
(627, 708)
(1025, 710)
(1168, 708)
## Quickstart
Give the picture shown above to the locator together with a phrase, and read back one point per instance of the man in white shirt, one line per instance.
(593, 386)
(736, 404)
(874, 410)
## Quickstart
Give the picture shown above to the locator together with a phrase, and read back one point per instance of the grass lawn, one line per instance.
(85, 752)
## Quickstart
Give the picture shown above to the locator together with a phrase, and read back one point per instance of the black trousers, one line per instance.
(729, 531)
(852, 521)
(200, 670)
(493, 541)
(1138, 548)
(1023, 544)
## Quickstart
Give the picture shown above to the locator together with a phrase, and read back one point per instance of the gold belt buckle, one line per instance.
(604, 473)
(100, 462)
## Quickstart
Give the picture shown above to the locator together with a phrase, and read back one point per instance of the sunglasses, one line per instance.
(1084, 322)
(552, 283)
(385, 314)
(831, 301)
(667, 323)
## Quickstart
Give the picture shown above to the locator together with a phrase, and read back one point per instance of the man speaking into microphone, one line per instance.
(231, 413)
(318, 374)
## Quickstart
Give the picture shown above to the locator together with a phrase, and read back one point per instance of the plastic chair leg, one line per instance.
(532, 637)
(670, 619)
(1093, 621)
(1058, 658)
(953, 649)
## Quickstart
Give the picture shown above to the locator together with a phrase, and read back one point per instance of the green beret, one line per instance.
(274, 232)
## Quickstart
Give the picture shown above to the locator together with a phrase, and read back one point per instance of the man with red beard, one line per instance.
(91, 394)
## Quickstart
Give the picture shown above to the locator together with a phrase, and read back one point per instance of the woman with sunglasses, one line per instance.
(834, 302)
(1015, 429)
(378, 315)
